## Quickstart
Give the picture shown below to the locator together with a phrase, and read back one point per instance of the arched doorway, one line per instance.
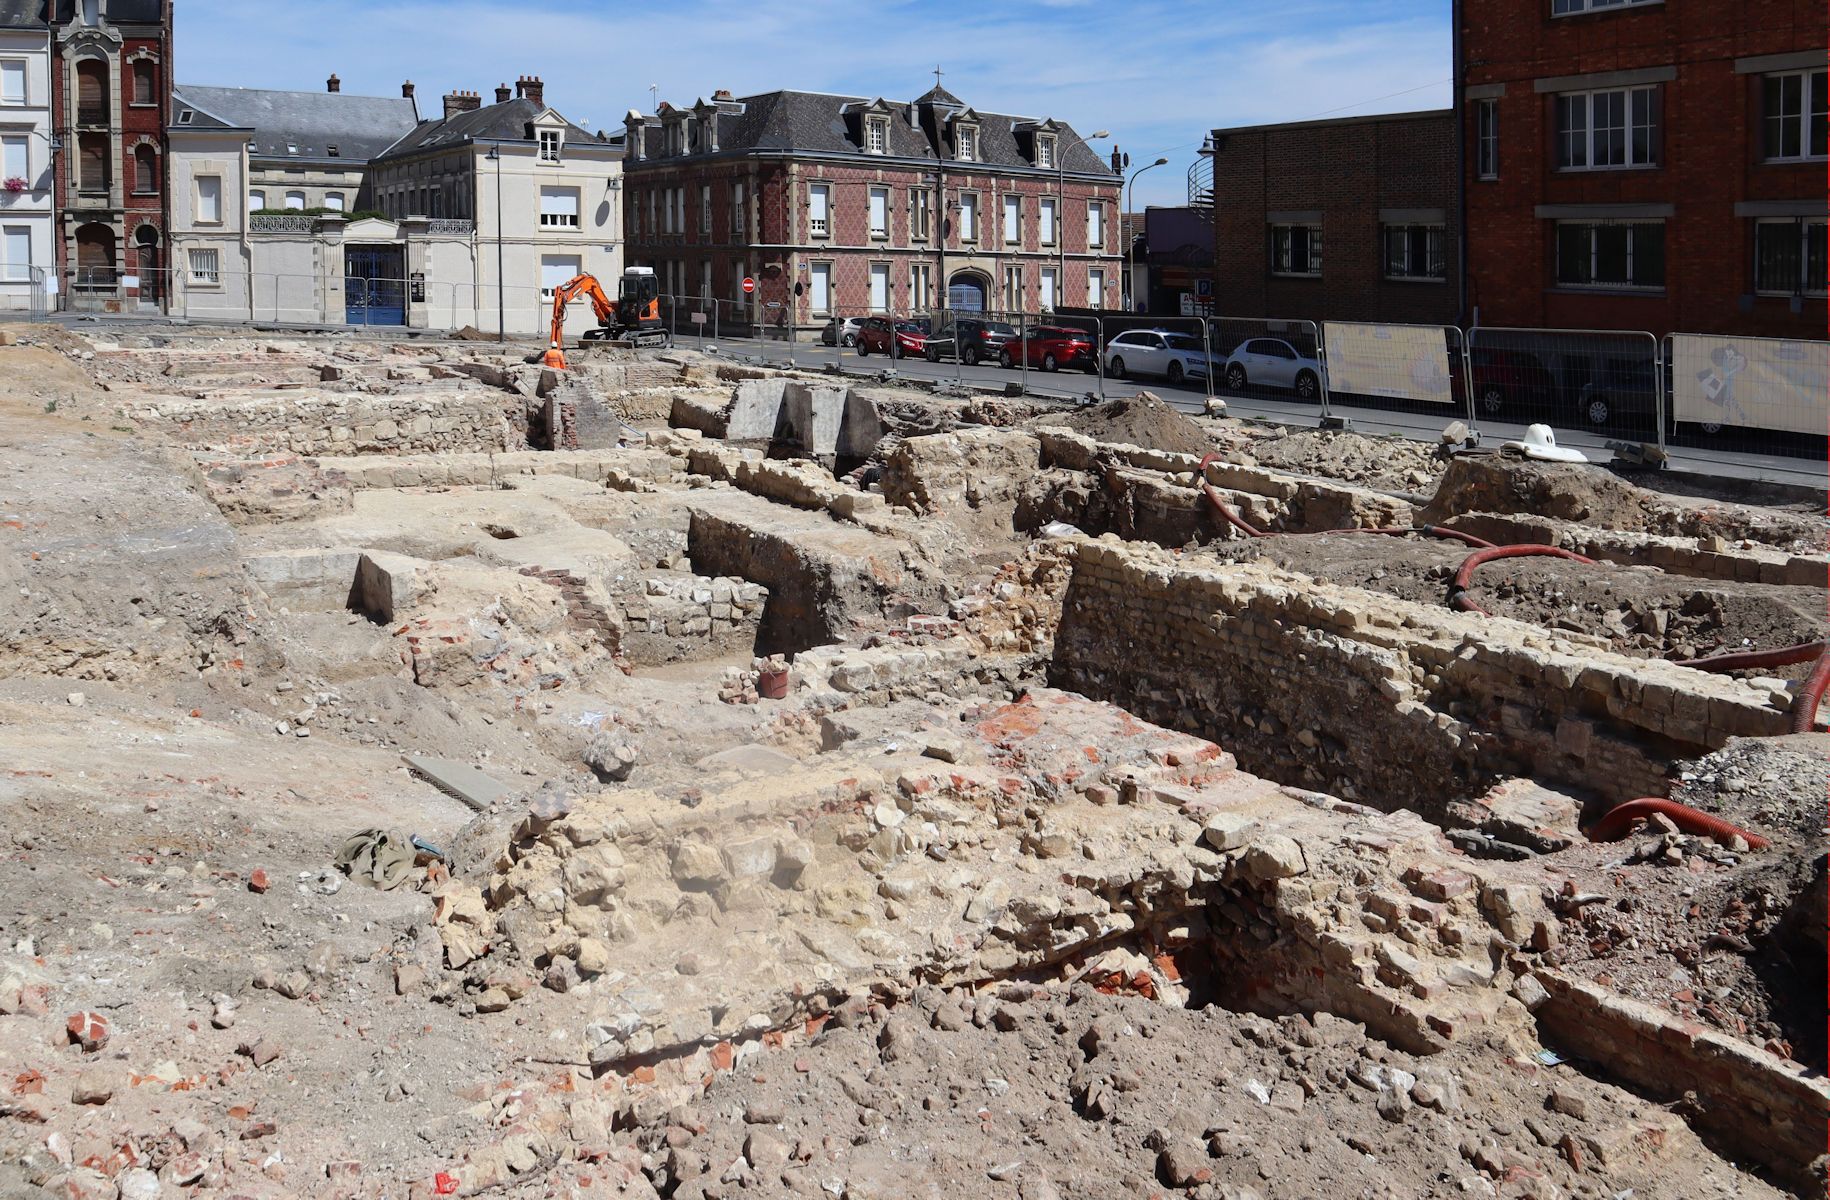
(146, 264)
(95, 261)
(967, 291)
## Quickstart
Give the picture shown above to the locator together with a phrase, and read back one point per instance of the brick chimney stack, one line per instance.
(503, 92)
(722, 94)
(529, 87)
(461, 102)
(406, 90)
(333, 84)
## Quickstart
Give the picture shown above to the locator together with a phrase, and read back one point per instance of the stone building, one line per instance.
(870, 205)
(540, 193)
(27, 227)
(111, 88)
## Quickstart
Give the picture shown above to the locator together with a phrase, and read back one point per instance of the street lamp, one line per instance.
(495, 156)
(1130, 300)
(1061, 216)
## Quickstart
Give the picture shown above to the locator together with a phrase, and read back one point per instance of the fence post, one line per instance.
(1207, 354)
(1023, 341)
(1099, 352)
(1468, 382)
(1321, 366)
(1662, 391)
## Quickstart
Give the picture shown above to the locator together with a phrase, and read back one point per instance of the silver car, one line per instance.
(1174, 356)
(1273, 362)
(841, 331)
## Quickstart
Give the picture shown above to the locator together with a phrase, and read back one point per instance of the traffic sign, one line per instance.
(749, 285)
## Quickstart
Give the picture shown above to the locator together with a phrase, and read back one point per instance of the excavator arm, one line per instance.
(601, 305)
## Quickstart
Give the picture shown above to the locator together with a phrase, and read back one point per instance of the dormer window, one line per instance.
(333, 151)
(877, 136)
(551, 140)
(966, 143)
(1045, 151)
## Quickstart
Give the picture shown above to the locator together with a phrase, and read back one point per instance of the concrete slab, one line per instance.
(458, 780)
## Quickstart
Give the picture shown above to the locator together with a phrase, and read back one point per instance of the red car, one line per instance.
(881, 335)
(1051, 347)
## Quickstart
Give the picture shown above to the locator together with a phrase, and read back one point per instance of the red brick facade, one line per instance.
(1358, 181)
(1702, 67)
(111, 88)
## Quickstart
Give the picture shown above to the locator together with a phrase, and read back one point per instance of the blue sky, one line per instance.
(1157, 73)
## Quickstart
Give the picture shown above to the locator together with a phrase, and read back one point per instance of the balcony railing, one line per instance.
(450, 226)
(281, 223)
(86, 115)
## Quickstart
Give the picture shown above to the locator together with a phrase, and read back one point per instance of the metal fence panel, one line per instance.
(1596, 382)
(1766, 395)
(1416, 369)
(1267, 359)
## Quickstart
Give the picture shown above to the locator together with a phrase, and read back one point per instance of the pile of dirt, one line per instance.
(1392, 464)
(1141, 420)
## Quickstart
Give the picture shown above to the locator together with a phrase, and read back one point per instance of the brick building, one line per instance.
(1348, 219)
(872, 205)
(111, 65)
(1645, 165)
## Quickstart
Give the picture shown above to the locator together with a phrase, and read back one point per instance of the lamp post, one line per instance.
(1130, 299)
(1061, 213)
(495, 156)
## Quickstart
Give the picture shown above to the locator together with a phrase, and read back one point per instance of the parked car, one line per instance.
(977, 339)
(1051, 347)
(1623, 393)
(892, 336)
(1273, 362)
(1175, 356)
(1506, 380)
(841, 331)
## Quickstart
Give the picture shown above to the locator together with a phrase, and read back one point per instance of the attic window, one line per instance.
(966, 143)
(550, 142)
(184, 116)
(877, 136)
(333, 151)
(1045, 151)
(292, 147)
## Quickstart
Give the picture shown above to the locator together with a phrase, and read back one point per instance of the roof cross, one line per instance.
(937, 74)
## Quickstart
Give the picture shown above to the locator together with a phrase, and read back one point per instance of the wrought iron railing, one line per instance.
(451, 226)
(281, 223)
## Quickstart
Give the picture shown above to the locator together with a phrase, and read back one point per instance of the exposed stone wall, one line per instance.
(334, 423)
(1373, 698)
(1697, 558)
(671, 617)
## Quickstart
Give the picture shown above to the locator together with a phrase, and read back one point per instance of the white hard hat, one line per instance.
(1540, 443)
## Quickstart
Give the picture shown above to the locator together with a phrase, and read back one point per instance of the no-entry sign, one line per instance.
(749, 285)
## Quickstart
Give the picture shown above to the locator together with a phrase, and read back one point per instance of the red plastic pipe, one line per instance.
(1458, 591)
(1748, 660)
(1615, 823)
(1804, 705)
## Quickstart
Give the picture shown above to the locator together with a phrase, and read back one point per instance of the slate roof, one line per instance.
(507, 122)
(360, 127)
(198, 119)
(817, 123)
(120, 12)
(23, 14)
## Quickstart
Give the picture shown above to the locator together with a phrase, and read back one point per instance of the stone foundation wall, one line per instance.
(334, 423)
(670, 617)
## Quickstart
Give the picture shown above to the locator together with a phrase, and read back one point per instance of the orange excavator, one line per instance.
(634, 316)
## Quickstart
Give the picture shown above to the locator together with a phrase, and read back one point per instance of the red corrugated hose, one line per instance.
(1617, 821)
(1458, 591)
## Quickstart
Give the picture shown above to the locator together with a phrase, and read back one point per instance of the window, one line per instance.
(145, 170)
(184, 116)
(15, 162)
(1789, 256)
(556, 269)
(1013, 220)
(819, 209)
(1096, 224)
(1611, 254)
(705, 280)
(209, 200)
(334, 202)
(1045, 295)
(667, 210)
(15, 253)
(257, 200)
(968, 217)
(819, 287)
(920, 214)
(1560, 8)
(12, 82)
(558, 208)
(204, 268)
(1046, 210)
(295, 201)
(679, 195)
(880, 287)
(966, 143)
(880, 212)
(1414, 252)
(921, 287)
(1605, 130)
(1013, 288)
(1296, 250)
(653, 204)
(737, 209)
(705, 208)
(1045, 152)
(877, 136)
(550, 142)
(143, 89)
(1795, 114)
(1487, 139)
(1096, 288)
(333, 151)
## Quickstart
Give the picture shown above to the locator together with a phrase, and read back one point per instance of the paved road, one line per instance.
(1071, 386)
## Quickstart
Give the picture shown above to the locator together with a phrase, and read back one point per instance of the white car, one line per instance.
(1273, 362)
(1174, 356)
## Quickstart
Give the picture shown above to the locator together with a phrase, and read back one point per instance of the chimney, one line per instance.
(529, 87)
(461, 102)
(722, 94)
(406, 90)
(333, 84)
(503, 92)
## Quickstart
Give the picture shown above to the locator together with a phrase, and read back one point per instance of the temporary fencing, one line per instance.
(1599, 382)
(1747, 394)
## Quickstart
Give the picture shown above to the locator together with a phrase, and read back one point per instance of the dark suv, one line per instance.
(977, 339)
(1621, 393)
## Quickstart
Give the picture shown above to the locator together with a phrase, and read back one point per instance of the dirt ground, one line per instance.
(1141, 420)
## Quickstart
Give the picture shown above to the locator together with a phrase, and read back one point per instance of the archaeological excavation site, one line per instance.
(428, 773)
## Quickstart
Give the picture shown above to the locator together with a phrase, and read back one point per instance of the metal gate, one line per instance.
(374, 285)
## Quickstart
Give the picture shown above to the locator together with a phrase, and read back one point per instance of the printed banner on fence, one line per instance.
(1757, 383)
(1406, 362)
